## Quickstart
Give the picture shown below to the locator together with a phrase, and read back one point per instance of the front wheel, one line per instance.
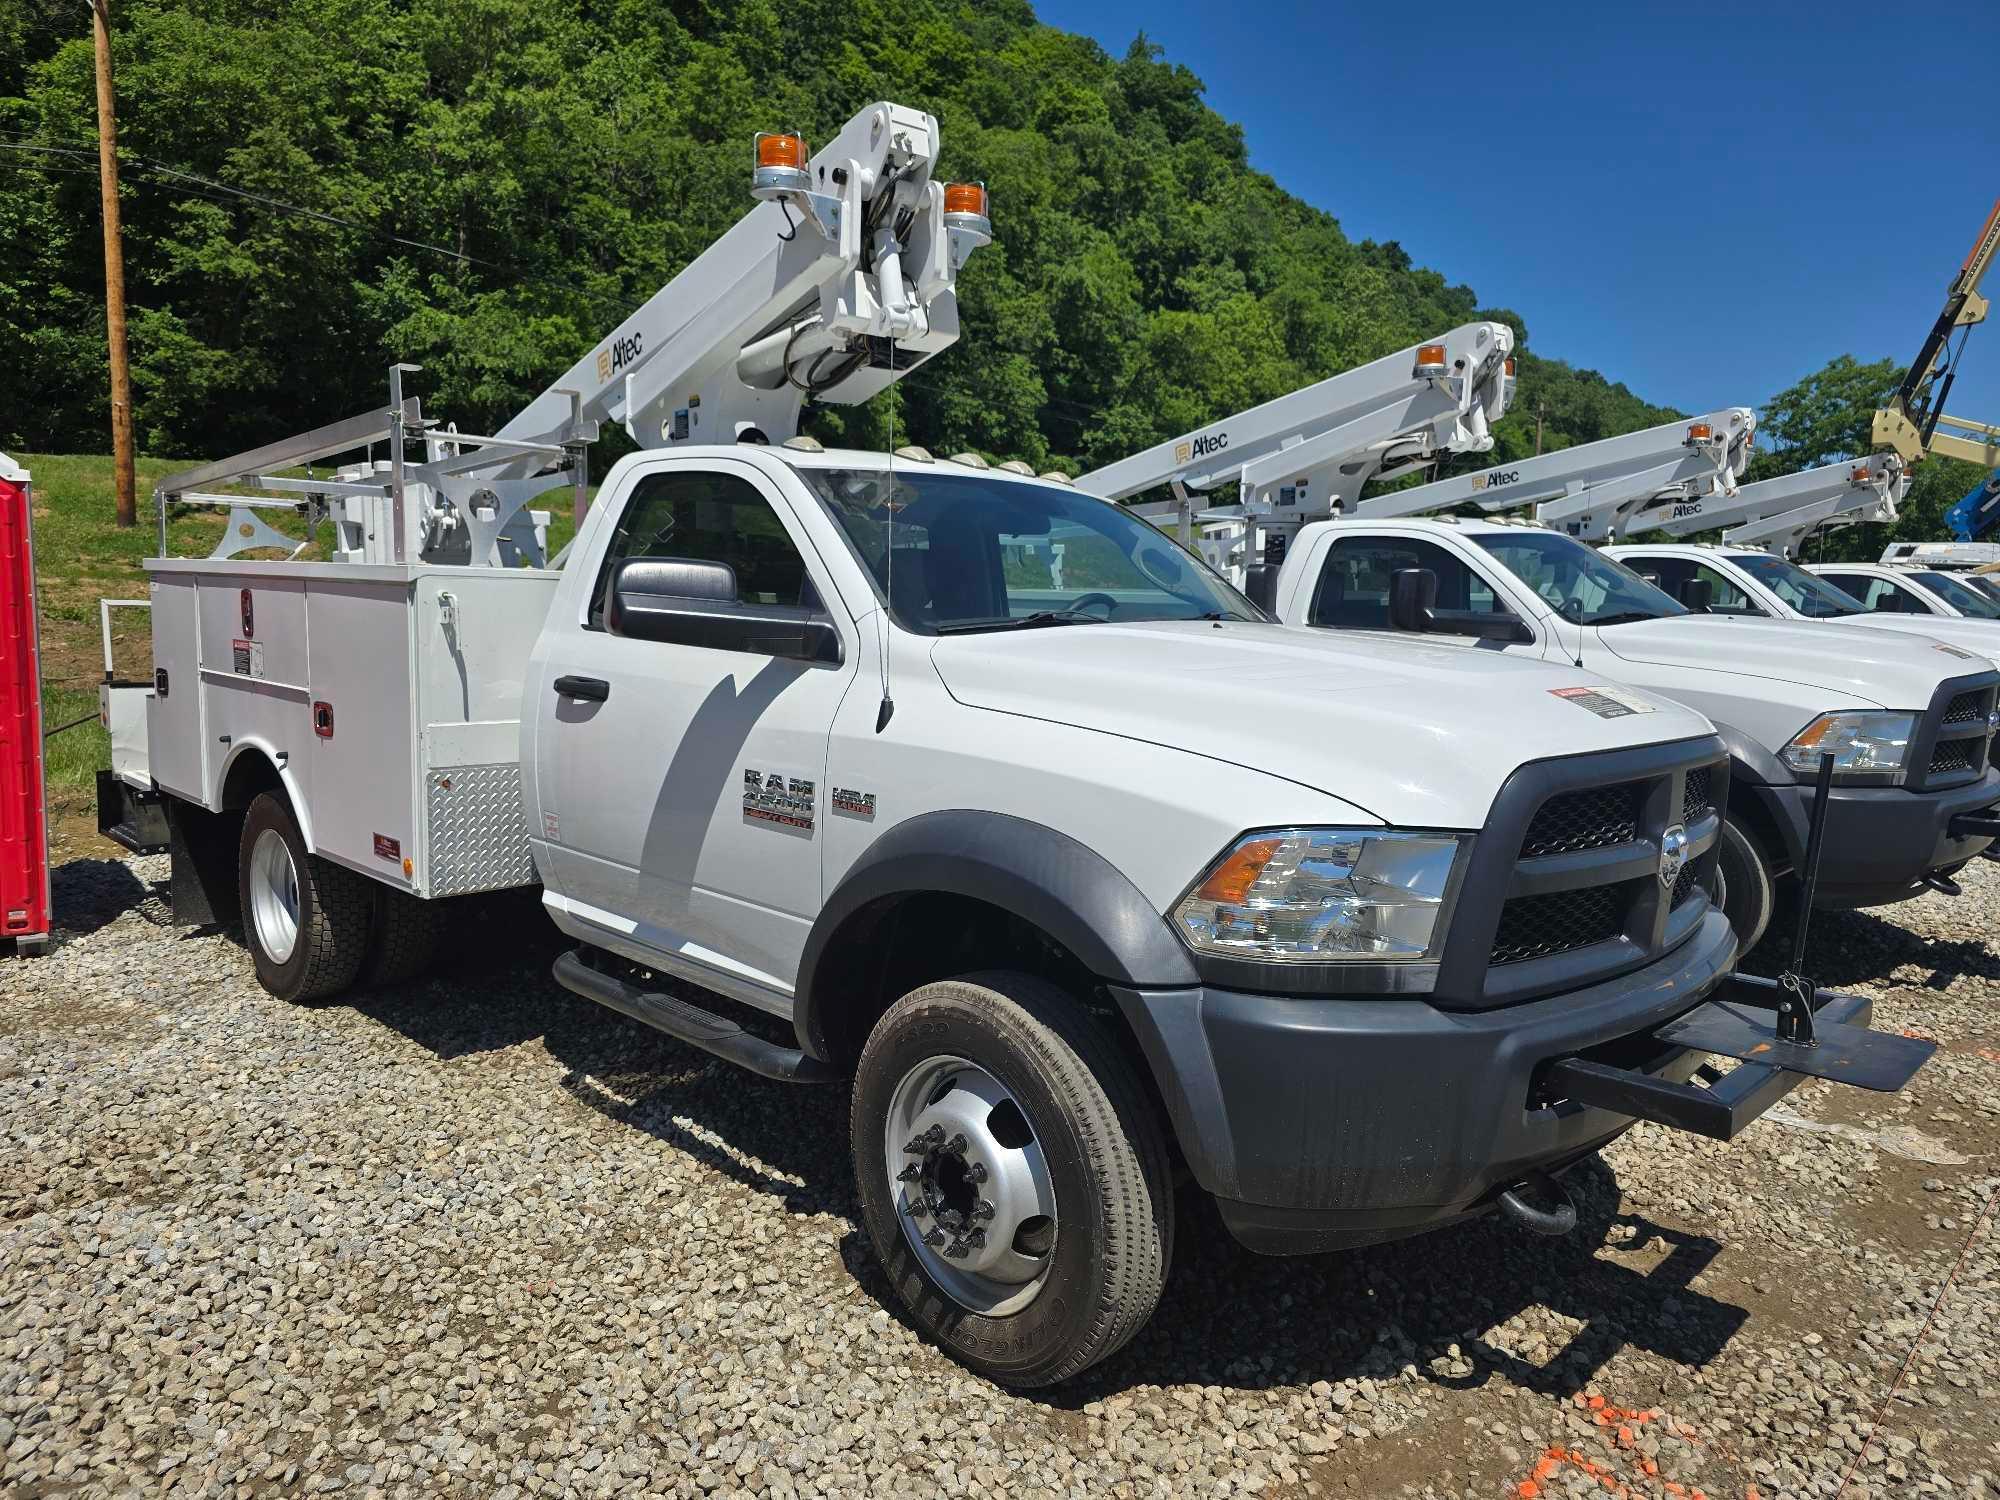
(1013, 1176)
(1745, 889)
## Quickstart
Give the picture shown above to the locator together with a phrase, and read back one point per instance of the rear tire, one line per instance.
(1745, 888)
(305, 921)
(1078, 1192)
(405, 939)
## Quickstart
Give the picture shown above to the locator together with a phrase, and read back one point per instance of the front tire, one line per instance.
(1018, 1132)
(1745, 888)
(305, 920)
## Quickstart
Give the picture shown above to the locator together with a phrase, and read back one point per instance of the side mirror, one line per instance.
(688, 602)
(1413, 594)
(1698, 594)
(1413, 607)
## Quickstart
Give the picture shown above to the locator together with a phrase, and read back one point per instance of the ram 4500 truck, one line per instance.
(1909, 721)
(962, 785)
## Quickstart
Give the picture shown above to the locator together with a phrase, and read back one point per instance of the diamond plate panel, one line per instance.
(478, 839)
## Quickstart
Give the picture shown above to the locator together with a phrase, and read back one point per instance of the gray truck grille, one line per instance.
(1957, 732)
(1591, 819)
(1565, 889)
(1560, 922)
(1695, 796)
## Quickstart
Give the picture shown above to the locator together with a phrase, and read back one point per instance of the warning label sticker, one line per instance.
(246, 658)
(1606, 701)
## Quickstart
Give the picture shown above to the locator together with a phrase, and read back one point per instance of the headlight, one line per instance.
(1861, 743)
(1313, 895)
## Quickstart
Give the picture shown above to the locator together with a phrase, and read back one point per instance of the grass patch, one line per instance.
(72, 756)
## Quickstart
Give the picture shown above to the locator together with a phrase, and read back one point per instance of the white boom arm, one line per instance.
(839, 283)
(1856, 485)
(1591, 489)
(1785, 532)
(1302, 456)
(834, 290)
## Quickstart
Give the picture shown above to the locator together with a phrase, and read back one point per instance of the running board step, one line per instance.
(690, 1023)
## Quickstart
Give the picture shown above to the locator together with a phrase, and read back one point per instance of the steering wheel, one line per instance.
(1084, 601)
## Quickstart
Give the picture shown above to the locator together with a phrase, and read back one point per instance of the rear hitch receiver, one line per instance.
(1523, 1203)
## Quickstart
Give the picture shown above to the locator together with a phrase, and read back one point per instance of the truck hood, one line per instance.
(1415, 734)
(1876, 667)
(1981, 638)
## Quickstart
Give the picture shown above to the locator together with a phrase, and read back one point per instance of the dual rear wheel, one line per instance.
(315, 928)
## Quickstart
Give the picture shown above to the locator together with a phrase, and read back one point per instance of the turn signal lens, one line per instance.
(1430, 357)
(1508, 366)
(1700, 432)
(965, 198)
(1861, 474)
(783, 150)
(1232, 879)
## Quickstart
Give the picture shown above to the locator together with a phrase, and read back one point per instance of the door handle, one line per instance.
(596, 689)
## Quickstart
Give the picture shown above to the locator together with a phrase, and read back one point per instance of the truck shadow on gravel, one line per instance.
(86, 894)
(1860, 947)
(1227, 1318)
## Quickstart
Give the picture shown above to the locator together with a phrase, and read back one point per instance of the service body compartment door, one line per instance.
(362, 744)
(174, 732)
(254, 675)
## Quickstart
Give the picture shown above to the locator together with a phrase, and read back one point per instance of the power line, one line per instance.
(265, 200)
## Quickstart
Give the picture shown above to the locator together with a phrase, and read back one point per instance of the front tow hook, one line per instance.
(1558, 1219)
(1944, 885)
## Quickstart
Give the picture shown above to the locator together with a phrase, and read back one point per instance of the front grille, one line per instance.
(1953, 755)
(1685, 885)
(1695, 799)
(1966, 708)
(1560, 922)
(1589, 819)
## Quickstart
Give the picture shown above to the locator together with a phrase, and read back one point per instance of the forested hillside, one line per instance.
(572, 154)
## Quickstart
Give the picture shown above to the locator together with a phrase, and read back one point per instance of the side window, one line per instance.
(1878, 593)
(708, 518)
(1353, 592)
(1668, 574)
(1727, 599)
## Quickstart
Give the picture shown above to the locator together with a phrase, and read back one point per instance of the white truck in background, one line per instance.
(1908, 720)
(877, 768)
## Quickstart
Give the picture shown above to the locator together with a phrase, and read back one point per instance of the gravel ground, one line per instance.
(480, 1238)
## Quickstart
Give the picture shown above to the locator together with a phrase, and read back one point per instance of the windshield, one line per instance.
(1584, 587)
(1986, 583)
(1967, 601)
(1812, 597)
(974, 553)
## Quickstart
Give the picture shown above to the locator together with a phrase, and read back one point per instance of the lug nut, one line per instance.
(983, 1209)
(956, 1146)
(975, 1171)
(910, 1173)
(916, 1208)
(957, 1250)
(934, 1238)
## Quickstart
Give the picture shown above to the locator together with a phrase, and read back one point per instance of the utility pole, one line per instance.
(114, 267)
(1541, 410)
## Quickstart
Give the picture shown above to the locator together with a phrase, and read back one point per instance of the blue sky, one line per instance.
(1704, 203)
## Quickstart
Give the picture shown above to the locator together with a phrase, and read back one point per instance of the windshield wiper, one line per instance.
(1026, 622)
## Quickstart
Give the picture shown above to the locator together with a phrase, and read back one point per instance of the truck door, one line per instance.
(1353, 588)
(682, 787)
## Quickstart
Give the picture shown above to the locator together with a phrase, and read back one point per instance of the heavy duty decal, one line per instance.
(787, 801)
(617, 354)
(246, 658)
(1606, 701)
(1492, 479)
(856, 804)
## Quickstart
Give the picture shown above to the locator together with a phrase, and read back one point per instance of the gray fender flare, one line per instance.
(1037, 873)
(1756, 769)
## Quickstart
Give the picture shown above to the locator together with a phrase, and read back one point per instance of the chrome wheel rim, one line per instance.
(274, 895)
(971, 1185)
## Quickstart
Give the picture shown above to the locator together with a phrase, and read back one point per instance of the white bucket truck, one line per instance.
(829, 770)
(1908, 721)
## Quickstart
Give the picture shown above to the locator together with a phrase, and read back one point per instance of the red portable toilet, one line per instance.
(24, 831)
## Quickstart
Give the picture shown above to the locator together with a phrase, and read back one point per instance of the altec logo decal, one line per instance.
(617, 354)
(1190, 449)
(1492, 479)
(1686, 508)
